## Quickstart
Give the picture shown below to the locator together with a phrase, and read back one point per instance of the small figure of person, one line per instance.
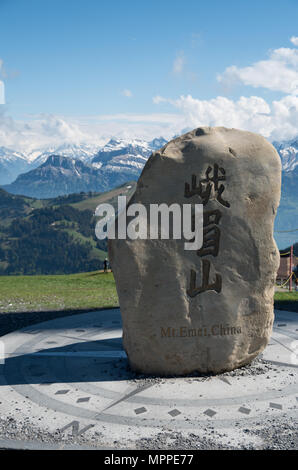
(296, 284)
(105, 265)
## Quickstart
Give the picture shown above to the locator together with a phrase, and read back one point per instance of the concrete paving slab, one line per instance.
(67, 382)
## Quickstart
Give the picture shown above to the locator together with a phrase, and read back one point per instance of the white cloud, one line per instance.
(178, 64)
(127, 93)
(42, 131)
(276, 121)
(294, 40)
(158, 99)
(278, 73)
(38, 131)
(138, 118)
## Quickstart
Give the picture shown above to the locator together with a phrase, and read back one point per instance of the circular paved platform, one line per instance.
(67, 382)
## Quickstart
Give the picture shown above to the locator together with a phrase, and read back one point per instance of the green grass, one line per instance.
(286, 296)
(84, 291)
(285, 300)
(52, 293)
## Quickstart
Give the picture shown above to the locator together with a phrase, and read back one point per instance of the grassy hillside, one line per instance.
(111, 197)
(53, 236)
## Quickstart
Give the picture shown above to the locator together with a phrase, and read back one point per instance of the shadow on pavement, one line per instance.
(290, 305)
(76, 362)
(16, 320)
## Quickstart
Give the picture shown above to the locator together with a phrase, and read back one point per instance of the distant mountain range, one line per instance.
(84, 152)
(76, 168)
(288, 152)
(57, 176)
(118, 155)
(11, 165)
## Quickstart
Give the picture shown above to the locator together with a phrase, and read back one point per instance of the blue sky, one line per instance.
(75, 57)
(93, 67)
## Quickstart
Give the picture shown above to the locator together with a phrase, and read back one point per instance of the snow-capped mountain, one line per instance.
(116, 155)
(288, 152)
(11, 165)
(65, 171)
(121, 155)
(116, 162)
(123, 160)
(59, 175)
(157, 143)
(123, 148)
(84, 152)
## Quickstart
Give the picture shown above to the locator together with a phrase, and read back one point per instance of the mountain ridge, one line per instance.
(112, 165)
(57, 176)
(127, 153)
(13, 162)
(288, 152)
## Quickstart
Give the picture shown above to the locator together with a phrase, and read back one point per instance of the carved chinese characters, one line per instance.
(209, 182)
(211, 231)
(209, 309)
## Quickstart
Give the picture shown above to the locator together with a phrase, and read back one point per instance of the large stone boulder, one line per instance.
(209, 310)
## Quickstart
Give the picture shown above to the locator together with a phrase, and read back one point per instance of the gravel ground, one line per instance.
(175, 440)
(257, 367)
(11, 430)
(279, 433)
(276, 434)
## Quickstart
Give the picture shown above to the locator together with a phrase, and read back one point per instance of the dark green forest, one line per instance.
(49, 236)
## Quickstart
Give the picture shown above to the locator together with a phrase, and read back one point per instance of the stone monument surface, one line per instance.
(208, 310)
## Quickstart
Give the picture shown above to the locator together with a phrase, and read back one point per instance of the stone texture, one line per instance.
(169, 328)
